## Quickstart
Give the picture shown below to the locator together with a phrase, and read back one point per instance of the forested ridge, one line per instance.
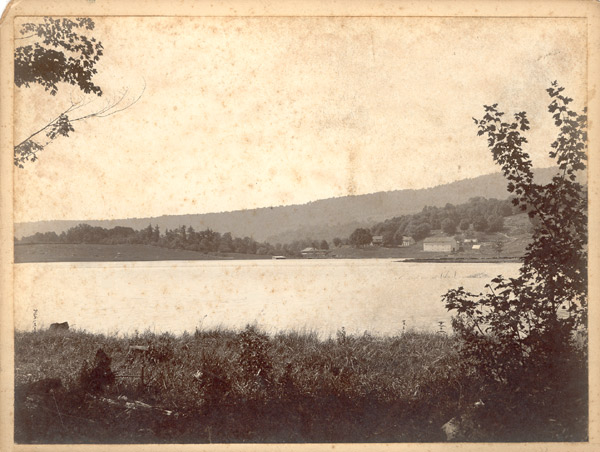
(477, 215)
(324, 218)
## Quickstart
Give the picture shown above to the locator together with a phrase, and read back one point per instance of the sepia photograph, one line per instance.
(302, 225)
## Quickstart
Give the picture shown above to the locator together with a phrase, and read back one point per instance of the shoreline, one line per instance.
(466, 260)
(54, 253)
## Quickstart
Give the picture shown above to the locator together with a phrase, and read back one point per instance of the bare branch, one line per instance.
(132, 103)
(109, 109)
(106, 111)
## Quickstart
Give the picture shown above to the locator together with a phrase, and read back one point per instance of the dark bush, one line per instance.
(254, 360)
(520, 335)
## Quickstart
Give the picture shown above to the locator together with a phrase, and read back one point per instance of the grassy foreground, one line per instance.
(223, 386)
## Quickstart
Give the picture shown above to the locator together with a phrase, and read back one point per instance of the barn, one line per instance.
(440, 244)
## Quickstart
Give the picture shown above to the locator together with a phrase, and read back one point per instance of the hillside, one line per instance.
(325, 218)
(514, 237)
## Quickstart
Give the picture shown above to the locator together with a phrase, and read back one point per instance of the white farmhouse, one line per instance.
(440, 244)
(377, 240)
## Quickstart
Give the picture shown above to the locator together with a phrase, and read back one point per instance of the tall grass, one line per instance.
(227, 386)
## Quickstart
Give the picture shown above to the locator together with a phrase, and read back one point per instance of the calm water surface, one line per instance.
(373, 295)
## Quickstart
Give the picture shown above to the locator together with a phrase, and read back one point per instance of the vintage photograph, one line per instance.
(300, 229)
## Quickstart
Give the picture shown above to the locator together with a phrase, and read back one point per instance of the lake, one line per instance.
(374, 295)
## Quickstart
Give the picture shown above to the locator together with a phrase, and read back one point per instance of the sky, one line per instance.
(242, 113)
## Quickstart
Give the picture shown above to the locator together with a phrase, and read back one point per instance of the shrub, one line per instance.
(520, 335)
(95, 379)
(254, 360)
(214, 380)
(160, 350)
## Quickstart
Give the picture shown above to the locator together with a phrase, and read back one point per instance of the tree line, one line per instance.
(183, 237)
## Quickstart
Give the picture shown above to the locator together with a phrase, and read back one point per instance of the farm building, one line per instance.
(377, 240)
(440, 244)
(313, 252)
(408, 241)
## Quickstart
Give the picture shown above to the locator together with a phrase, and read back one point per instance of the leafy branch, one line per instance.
(62, 125)
(528, 321)
(63, 54)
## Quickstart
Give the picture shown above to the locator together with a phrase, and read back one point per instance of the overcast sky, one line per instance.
(251, 112)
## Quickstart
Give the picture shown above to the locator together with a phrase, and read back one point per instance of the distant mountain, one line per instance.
(322, 219)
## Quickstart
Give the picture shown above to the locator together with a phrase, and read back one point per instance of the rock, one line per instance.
(466, 427)
(452, 429)
(59, 326)
(41, 387)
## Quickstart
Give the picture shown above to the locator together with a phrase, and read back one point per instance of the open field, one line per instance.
(64, 252)
(227, 386)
